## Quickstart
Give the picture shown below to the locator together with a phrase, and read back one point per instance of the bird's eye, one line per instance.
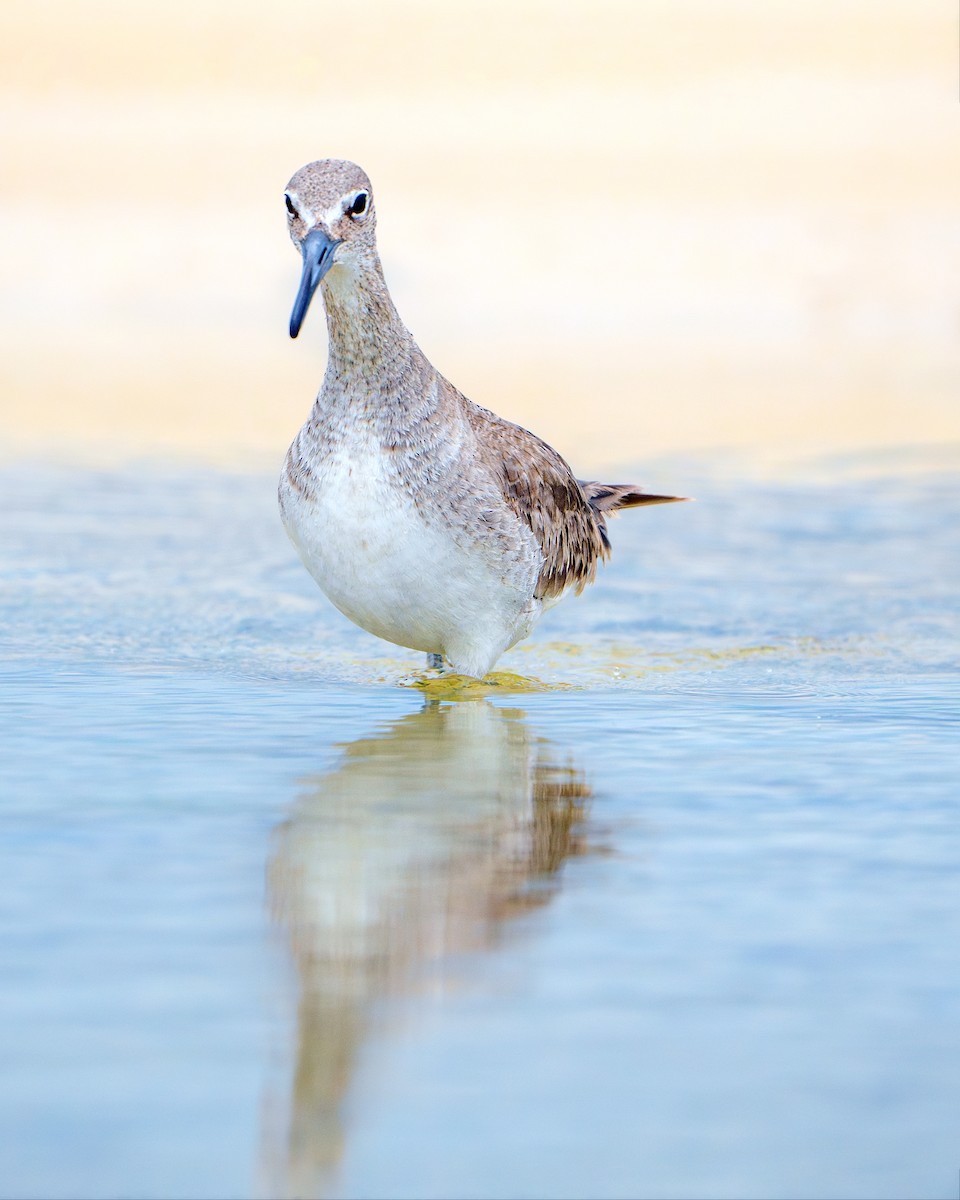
(359, 205)
(290, 206)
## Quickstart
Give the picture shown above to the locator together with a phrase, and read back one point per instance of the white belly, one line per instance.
(403, 574)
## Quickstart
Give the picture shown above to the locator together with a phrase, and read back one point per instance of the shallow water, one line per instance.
(669, 908)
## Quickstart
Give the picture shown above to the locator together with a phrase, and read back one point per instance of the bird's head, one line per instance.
(331, 221)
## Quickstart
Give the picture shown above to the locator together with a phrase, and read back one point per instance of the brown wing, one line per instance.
(540, 488)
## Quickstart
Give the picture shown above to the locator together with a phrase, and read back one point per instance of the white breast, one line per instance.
(398, 570)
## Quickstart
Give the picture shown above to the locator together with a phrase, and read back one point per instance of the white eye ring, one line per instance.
(358, 206)
(291, 207)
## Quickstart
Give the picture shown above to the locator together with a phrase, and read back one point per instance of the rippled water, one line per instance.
(669, 909)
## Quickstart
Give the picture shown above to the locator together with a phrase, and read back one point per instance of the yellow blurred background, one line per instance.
(636, 226)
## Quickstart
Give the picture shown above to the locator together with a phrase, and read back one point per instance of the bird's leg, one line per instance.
(434, 662)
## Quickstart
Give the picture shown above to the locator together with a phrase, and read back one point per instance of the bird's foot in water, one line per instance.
(435, 669)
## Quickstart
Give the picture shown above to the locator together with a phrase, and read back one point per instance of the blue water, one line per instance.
(681, 919)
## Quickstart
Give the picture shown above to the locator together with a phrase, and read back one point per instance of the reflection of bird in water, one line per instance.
(422, 843)
(428, 521)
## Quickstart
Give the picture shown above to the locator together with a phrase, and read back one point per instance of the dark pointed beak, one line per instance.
(317, 250)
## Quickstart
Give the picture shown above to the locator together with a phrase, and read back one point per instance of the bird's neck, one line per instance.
(369, 345)
(378, 381)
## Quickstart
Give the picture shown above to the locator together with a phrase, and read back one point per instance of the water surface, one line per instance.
(670, 909)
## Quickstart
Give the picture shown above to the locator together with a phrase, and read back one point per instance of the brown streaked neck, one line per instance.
(377, 376)
(366, 334)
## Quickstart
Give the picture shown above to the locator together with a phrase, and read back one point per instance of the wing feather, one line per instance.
(542, 491)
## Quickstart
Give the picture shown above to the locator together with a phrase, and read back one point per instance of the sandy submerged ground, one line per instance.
(638, 229)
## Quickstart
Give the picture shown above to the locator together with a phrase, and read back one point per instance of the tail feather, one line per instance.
(610, 497)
